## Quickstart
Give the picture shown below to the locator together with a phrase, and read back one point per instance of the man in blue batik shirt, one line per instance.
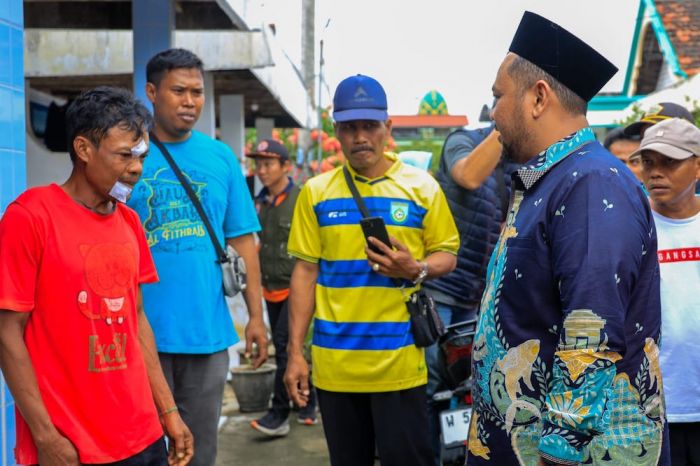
(566, 357)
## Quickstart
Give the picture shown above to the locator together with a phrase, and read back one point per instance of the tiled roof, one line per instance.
(681, 19)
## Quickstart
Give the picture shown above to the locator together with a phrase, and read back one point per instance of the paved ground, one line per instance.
(240, 445)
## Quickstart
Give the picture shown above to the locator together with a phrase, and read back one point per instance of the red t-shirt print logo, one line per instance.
(679, 255)
(109, 271)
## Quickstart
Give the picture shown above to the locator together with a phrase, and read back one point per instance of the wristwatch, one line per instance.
(422, 274)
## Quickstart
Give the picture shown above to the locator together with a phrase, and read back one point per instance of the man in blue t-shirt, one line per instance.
(187, 309)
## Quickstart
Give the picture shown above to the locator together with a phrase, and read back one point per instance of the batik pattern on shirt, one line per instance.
(565, 354)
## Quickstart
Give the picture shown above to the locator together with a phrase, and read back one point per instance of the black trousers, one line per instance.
(685, 443)
(278, 313)
(396, 422)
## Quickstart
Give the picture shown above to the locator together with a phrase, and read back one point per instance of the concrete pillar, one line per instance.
(264, 127)
(153, 23)
(232, 123)
(207, 120)
(308, 64)
(308, 48)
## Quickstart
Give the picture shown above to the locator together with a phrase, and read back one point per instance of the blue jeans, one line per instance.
(436, 376)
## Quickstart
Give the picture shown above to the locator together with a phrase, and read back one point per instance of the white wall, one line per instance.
(43, 166)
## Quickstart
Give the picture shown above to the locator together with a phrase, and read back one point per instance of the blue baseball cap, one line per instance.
(359, 97)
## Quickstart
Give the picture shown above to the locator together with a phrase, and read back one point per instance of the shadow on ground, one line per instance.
(241, 445)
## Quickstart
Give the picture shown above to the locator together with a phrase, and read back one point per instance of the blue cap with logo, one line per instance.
(359, 97)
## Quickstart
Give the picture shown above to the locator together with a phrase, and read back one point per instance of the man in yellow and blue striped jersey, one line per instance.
(370, 376)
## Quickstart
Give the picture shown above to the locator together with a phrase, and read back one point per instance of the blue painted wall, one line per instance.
(12, 163)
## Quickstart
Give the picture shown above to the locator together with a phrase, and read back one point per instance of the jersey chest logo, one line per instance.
(399, 212)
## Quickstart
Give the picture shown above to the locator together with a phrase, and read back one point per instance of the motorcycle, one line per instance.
(455, 359)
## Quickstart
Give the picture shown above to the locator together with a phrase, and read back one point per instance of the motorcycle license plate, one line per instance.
(454, 425)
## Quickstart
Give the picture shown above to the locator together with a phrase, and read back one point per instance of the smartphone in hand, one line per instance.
(375, 227)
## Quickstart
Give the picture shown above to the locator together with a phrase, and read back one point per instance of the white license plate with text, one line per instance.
(454, 425)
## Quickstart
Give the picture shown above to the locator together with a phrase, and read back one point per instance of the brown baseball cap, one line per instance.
(675, 138)
(658, 113)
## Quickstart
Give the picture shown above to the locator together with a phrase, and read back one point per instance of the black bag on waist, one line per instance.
(426, 325)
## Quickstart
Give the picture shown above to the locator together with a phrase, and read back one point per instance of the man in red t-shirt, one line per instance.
(76, 348)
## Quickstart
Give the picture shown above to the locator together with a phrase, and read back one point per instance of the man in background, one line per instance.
(622, 145)
(670, 159)
(275, 205)
(657, 113)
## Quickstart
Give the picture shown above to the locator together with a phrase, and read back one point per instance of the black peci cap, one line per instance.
(567, 58)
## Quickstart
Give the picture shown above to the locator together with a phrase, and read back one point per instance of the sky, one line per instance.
(453, 46)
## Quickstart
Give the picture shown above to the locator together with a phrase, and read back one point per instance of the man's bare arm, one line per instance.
(301, 310)
(471, 171)
(181, 445)
(255, 331)
(18, 370)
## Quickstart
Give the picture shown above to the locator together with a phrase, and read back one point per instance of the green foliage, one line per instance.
(694, 106)
(327, 122)
(636, 114)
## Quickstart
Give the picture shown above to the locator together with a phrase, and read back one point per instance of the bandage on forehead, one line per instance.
(139, 149)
